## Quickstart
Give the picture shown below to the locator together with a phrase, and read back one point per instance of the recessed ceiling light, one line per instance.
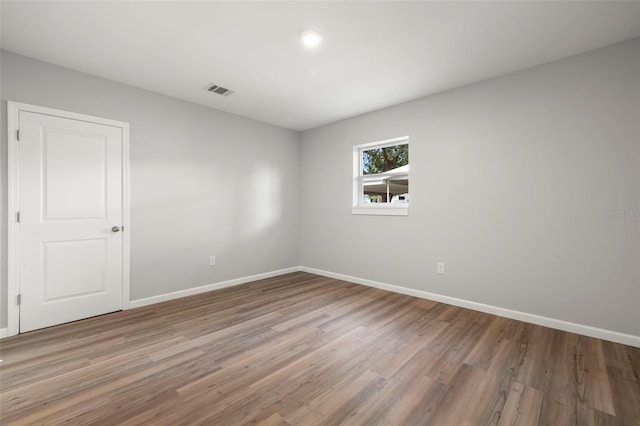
(311, 38)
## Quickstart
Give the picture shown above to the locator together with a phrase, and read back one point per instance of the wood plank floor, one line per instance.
(300, 349)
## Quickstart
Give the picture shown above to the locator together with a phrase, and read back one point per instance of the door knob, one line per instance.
(115, 229)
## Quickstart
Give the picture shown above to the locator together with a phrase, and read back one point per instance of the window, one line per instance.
(381, 178)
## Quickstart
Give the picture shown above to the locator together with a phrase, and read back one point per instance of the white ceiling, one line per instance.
(374, 54)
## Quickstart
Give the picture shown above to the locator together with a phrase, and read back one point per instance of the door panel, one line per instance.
(62, 282)
(70, 196)
(66, 156)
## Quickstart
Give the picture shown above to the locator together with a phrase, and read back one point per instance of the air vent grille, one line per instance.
(214, 88)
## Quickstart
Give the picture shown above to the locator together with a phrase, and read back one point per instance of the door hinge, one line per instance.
(18, 134)
(18, 217)
(19, 299)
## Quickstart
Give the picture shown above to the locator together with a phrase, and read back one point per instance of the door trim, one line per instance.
(13, 229)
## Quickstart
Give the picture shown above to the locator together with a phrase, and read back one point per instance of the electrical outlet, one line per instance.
(212, 261)
(440, 268)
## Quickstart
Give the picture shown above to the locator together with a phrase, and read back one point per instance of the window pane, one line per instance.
(385, 174)
(391, 189)
(387, 159)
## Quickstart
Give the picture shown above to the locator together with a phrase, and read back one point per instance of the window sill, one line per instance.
(382, 210)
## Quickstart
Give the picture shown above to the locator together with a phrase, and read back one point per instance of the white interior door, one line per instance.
(70, 245)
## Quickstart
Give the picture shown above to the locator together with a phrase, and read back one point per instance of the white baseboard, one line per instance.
(205, 288)
(599, 333)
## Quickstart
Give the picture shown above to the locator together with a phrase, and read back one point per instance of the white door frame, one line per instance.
(13, 228)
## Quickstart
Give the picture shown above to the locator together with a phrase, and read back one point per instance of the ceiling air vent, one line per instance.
(214, 88)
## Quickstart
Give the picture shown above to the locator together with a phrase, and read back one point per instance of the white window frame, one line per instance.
(384, 209)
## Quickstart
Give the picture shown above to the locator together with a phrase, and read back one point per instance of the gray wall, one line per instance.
(521, 185)
(513, 181)
(203, 182)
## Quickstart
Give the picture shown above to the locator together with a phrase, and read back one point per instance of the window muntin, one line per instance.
(381, 172)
